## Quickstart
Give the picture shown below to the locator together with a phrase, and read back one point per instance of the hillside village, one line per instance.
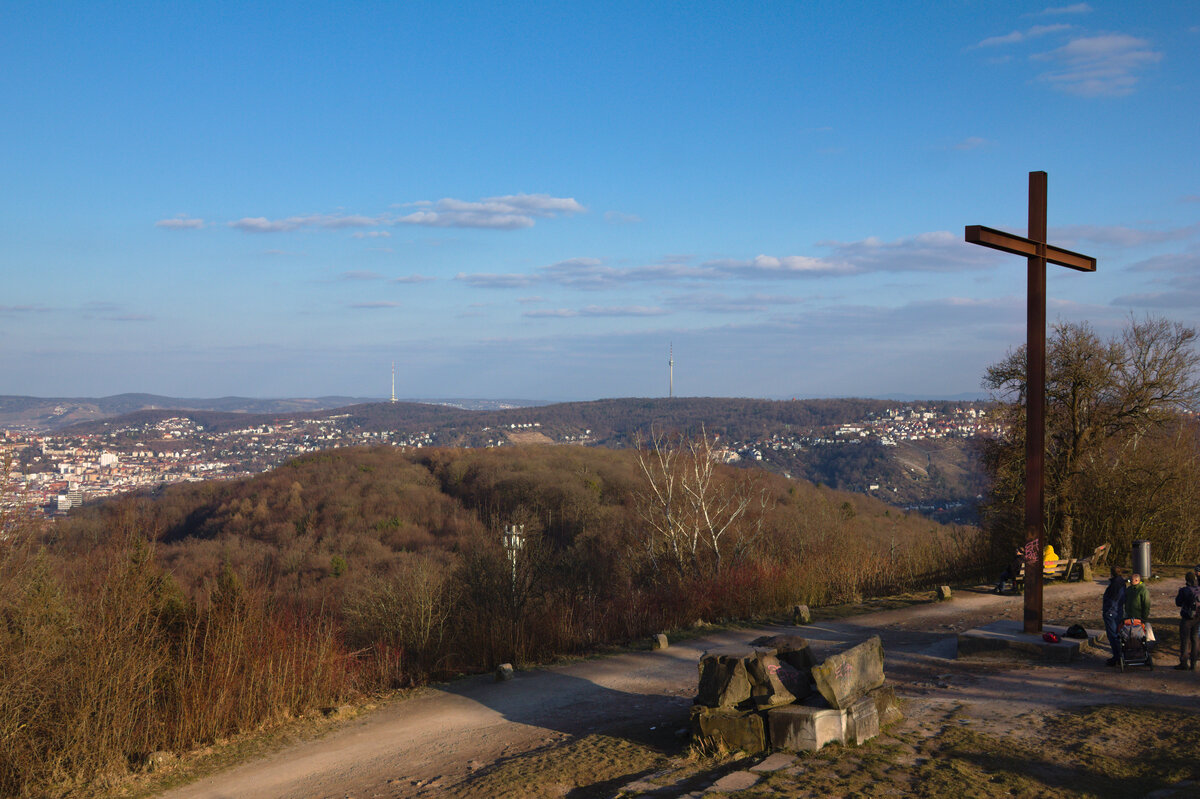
(48, 474)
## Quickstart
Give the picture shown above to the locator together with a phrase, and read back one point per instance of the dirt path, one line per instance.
(433, 743)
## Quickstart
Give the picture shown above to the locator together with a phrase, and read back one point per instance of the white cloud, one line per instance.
(509, 212)
(596, 310)
(938, 251)
(493, 281)
(1017, 37)
(413, 279)
(1098, 66)
(1077, 8)
(260, 224)
(180, 222)
(360, 275)
(618, 218)
(374, 305)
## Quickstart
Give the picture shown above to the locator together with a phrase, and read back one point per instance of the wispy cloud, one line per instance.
(374, 305)
(1098, 66)
(1016, 37)
(939, 251)
(972, 143)
(372, 234)
(130, 317)
(494, 281)
(717, 303)
(180, 222)
(509, 212)
(1121, 236)
(618, 218)
(1076, 8)
(360, 275)
(595, 310)
(16, 309)
(410, 279)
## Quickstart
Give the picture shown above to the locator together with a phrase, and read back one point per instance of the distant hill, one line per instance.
(55, 413)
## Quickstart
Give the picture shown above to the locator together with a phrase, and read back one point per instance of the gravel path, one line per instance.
(431, 742)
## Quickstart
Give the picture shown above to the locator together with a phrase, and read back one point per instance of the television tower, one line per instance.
(671, 366)
(393, 381)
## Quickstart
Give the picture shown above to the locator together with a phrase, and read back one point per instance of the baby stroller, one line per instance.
(1137, 643)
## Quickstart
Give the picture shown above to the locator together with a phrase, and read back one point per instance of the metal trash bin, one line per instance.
(1141, 558)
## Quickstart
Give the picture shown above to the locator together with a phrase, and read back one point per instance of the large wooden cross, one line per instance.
(1038, 253)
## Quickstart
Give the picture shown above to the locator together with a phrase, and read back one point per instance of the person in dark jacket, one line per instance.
(1188, 602)
(1113, 611)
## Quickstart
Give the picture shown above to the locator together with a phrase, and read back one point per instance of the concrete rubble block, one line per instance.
(660, 642)
(801, 615)
(944, 593)
(862, 721)
(796, 661)
(504, 672)
(846, 677)
(722, 729)
(767, 676)
(804, 728)
(724, 681)
(887, 707)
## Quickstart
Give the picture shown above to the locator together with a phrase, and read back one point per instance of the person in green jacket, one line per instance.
(1137, 599)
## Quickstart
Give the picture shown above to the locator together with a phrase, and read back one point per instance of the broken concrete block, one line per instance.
(803, 728)
(943, 593)
(766, 684)
(801, 615)
(660, 642)
(724, 681)
(887, 707)
(795, 661)
(729, 730)
(846, 677)
(863, 721)
(504, 672)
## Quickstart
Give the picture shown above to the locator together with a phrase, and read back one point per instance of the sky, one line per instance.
(548, 200)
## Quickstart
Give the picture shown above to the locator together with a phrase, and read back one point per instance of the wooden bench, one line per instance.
(1068, 569)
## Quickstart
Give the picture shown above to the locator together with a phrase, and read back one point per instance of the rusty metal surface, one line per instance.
(1038, 253)
(1018, 245)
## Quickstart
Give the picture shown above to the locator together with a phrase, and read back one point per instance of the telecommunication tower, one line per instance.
(671, 367)
(393, 381)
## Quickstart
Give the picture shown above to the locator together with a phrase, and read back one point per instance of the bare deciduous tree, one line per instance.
(1102, 399)
(698, 519)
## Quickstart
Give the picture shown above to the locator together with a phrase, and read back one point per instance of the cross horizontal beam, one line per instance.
(1019, 245)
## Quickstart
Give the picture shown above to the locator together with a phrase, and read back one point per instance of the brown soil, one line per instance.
(972, 727)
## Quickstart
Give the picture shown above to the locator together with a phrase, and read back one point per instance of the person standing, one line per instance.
(1188, 602)
(1137, 599)
(1113, 611)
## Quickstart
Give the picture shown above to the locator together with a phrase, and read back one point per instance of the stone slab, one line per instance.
(863, 721)
(847, 676)
(729, 730)
(1006, 637)
(736, 781)
(803, 728)
(774, 763)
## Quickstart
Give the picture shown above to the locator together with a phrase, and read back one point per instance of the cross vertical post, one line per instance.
(1038, 253)
(1035, 408)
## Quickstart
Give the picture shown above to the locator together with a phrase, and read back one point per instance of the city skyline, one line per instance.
(537, 201)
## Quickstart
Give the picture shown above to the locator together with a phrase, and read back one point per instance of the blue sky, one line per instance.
(538, 200)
